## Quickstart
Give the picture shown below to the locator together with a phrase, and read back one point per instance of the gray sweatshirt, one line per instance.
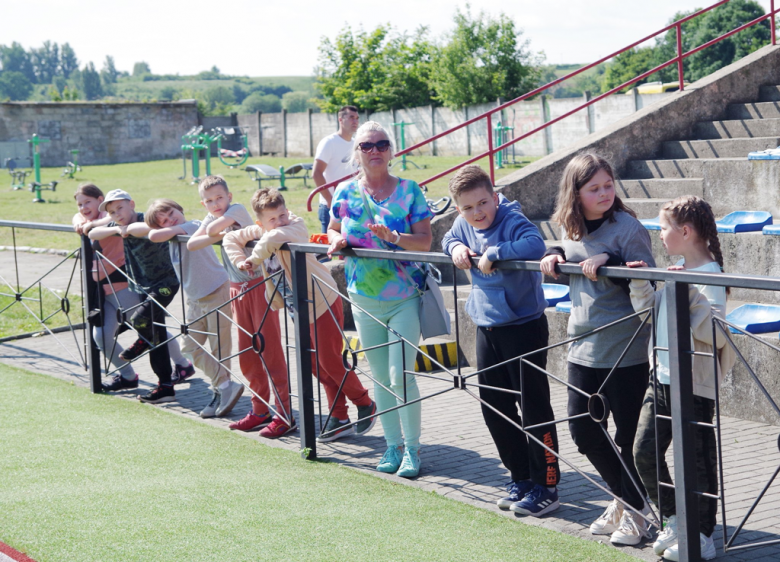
(595, 304)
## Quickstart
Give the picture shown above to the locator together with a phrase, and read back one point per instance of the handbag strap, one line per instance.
(401, 268)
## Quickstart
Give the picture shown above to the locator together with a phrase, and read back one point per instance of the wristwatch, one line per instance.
(397, 237)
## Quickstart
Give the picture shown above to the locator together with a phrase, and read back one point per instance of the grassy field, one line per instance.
(16, 319)
(102, 479)
(148, 180)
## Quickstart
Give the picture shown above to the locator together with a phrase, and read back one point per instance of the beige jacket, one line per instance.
(268, 243)
(644, 296)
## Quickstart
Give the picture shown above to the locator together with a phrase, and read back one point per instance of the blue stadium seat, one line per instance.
(755, 318)
(555, 293)
(771, 230)
(744, 221)
(651, 224)
(563, 306)
(770, 154)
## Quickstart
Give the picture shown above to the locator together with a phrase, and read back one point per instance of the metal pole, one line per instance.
(490, 147)
(679, 55)
(303, 355)
(772, 20)
(680, 366)
(90, 292)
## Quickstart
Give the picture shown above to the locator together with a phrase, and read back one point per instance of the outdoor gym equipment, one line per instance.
(36, 186)
(264, 172)
(193, 142)
(404, 161)
(502, 134)
(18, 177)
(437, 206)
(239, 155)
(72, 167)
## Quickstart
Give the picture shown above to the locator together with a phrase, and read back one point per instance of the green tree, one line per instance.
(68, 61)
(109, 73)
(628, 65)
(239, 93)
(46, 61)
(16, 59)
(168, 93)
(141, 69)
(482, 61)
(90, 83)
(214, 95)
(14, 85)
(376, 71)
(296, 102)
(267, 103)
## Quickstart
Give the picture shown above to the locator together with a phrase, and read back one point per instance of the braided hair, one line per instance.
(696, 212)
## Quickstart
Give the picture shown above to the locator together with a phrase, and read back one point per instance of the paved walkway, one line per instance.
(459, 459)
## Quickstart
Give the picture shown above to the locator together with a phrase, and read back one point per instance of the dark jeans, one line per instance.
(524, 457)
(149, 321)
(706, 455)
(324, 215)
(624, 391)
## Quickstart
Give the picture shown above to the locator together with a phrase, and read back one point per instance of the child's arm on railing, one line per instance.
(201, 239)
(102, 232)
(165, 234)
(234, 244)
(218, 225)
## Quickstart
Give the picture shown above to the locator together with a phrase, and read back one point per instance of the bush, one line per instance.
(296, 102)
(267, 103)
(14, 86)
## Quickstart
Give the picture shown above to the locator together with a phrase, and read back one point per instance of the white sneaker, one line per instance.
(211, 410)
(229, 398)
(608, 522)
(632, 528)
(667, 537)
(706, 544)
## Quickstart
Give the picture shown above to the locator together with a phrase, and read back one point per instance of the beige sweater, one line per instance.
(268, 243)
(643, 296)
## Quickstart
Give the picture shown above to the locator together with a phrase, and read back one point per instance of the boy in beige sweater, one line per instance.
(275, 227)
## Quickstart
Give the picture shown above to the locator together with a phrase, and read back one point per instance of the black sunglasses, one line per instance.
(381, 146)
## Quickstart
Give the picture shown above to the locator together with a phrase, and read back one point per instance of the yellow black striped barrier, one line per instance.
(445, 353)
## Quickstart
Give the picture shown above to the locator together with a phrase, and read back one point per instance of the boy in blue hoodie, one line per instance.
(508, 309)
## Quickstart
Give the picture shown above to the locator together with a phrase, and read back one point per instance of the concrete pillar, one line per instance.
(433, 130)
(284, 133)
(637, 100)
(259, 133)
(396, 140)
(590, 116)
(468, 128)
(548, 143)
(311, 134)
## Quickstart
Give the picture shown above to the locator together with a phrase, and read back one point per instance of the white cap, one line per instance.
(114, 195)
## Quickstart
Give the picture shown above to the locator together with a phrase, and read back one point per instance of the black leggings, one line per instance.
(624, 392)
(524, 457)
(149, 321)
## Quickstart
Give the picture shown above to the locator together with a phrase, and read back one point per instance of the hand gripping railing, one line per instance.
(488, 115)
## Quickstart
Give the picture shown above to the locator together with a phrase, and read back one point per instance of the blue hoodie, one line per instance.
(503, 297)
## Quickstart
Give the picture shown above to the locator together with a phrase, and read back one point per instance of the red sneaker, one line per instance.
(277, 428)
(251, 422)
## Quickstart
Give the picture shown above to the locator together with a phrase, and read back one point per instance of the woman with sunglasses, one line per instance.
(379, 210)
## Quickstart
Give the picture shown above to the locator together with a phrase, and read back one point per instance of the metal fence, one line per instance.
(453, 379)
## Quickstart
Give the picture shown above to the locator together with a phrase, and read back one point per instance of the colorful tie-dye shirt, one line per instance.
(379, 278)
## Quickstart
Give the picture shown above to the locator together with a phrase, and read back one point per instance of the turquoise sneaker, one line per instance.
(410, 465)
(391, 460)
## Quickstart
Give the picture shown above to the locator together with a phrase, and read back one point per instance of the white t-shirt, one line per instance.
(716, 296)
(203, 274)
(240, 215)
(336, 153)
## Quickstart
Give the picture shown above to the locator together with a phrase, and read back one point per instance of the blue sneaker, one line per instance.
(517, 491)
(410, 465)
(391, 460)
(539, 501)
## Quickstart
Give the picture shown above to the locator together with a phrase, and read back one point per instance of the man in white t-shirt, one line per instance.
(332, 159)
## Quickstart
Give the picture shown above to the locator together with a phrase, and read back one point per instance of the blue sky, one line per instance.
(278, 38)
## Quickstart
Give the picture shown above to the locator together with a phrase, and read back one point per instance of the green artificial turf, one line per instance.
(148, 180)
(94, 478)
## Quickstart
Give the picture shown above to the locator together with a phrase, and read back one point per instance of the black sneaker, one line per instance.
(138, 347)
(365, 423)
(118, 382)
(181, 374)
(159, 394)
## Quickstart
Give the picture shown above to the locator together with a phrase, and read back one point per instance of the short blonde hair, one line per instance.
(363, 130)
(211, 181)
(266, 198)
(159, 206)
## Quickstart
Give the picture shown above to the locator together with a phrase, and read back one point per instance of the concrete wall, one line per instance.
(103, 133)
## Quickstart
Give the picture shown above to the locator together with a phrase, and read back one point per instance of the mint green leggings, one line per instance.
(401, 426)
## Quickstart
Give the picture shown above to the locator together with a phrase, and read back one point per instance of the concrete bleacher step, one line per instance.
(758, 110)
(717, 148)
(741, 128)
(769, 93)
(676, 168)
(645, 208)
(663, 188)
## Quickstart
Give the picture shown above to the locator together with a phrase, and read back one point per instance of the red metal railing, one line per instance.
(491, 151)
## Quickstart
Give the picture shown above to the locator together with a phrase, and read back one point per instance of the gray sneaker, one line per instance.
(211, 410)
(336, 430)
(365, 423)
(229, 398)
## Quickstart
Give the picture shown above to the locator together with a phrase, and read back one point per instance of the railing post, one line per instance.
(679, 56)
(90, 292)
(490, 147)
(303, 355)
(680, 366)
(772, 20)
